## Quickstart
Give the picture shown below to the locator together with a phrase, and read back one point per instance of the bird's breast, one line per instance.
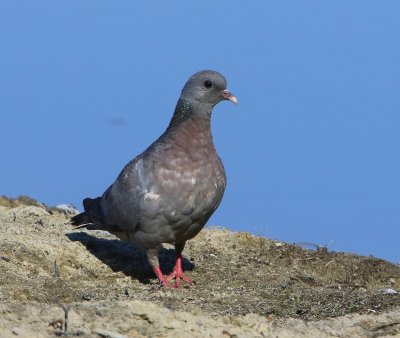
(184, 185)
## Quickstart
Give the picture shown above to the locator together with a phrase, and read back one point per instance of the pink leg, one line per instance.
(161, 277)
(178, 272)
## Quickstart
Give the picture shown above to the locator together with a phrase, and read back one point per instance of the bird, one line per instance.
(168, 192)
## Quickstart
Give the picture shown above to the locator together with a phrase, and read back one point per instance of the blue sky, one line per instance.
(311, 151)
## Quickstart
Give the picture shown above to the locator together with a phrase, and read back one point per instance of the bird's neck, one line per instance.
(190, 110)
(192, 121)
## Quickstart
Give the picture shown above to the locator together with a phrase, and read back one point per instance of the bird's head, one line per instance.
(207, 87)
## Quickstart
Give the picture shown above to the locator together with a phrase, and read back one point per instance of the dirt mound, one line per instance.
(245, 285)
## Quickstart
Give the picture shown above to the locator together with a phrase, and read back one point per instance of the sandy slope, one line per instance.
(246, 286)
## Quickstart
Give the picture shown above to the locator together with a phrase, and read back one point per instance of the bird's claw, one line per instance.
(178, 274)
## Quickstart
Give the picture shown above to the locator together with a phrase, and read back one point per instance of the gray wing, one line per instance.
(120, 203)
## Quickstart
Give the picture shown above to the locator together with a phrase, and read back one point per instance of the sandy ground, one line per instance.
(55, 281)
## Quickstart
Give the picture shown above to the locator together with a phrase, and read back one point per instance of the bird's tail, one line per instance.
(90, 216)
(81, 220)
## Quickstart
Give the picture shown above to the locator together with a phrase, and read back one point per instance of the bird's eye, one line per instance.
(207, 84)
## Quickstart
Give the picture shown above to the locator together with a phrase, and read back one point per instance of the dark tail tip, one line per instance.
(80, 220)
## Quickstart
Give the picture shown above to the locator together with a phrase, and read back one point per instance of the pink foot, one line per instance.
(178, 273)
(161, 278)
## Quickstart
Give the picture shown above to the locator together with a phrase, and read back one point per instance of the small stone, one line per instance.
(18, 331)
(388, 291)
(173, 324)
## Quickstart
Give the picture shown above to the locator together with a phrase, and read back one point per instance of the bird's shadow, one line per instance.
(127, 258)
